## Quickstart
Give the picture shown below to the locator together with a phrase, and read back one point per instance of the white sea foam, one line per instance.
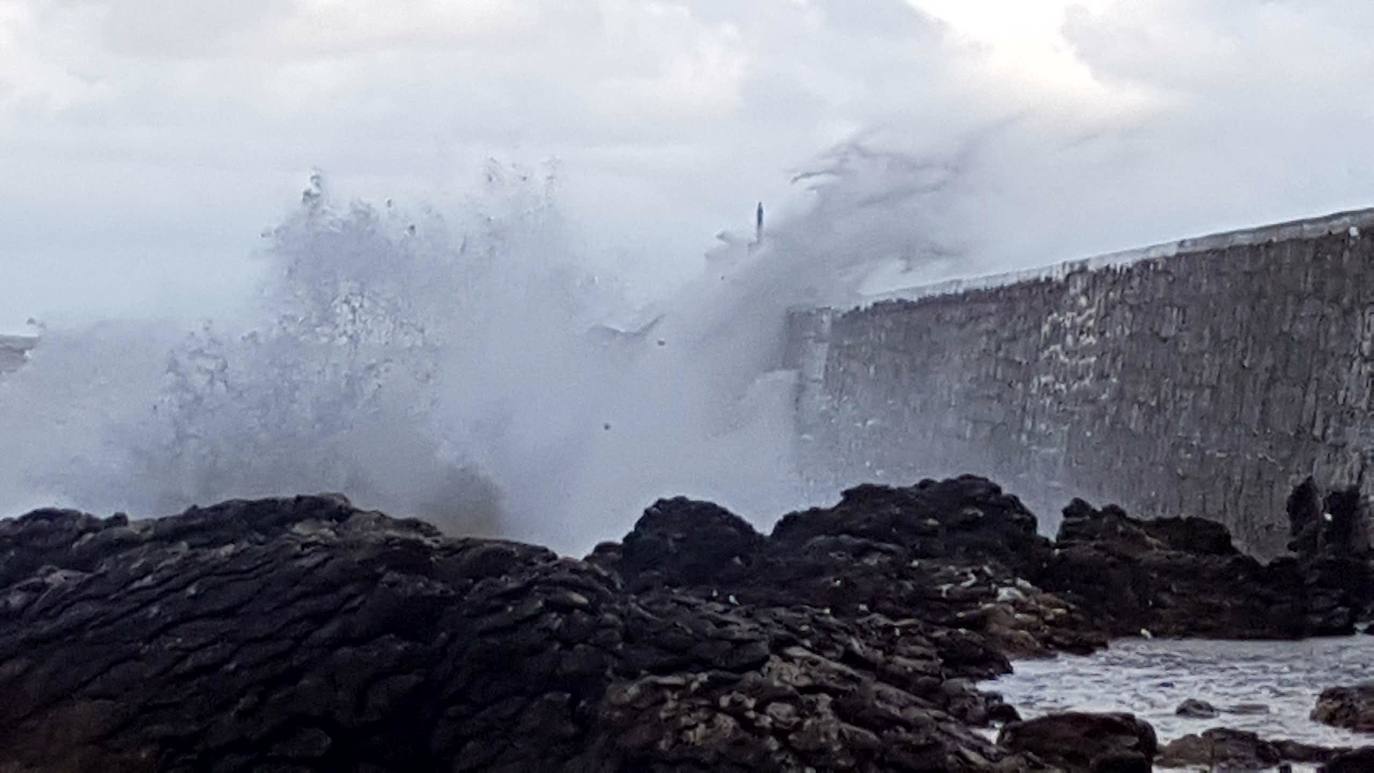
(1150, 678)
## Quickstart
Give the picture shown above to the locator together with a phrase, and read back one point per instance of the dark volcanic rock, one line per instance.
(1344, 531)
(1196, 709)
(680, 542)
(1192, 535)
(293, 633)
(786, 690)
(1331, 540)
(944, 553)
(1348, 707)
(1304, 516)
(1182, 577)
(1353, 761)
(1296, 751)
(1221, 748)
(1130, 536)
(1226, 749)
(1078, 741)
(1247, 709)
(1114, 565)
(966, 517)
(304, 634)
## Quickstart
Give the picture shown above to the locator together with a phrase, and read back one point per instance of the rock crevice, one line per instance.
(306, 634)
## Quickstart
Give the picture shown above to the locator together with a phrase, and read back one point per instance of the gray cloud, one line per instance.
(145, 143)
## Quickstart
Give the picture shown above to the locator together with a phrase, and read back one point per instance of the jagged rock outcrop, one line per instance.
(304, 634)
(680, 542)
(1079, 742)
(1183, 577)
(1348, 707)
(1333, 524)
(1196, 709)
(1139, 575)
(949, 554)
(1354, 761)
(1221, 747)
(1331, 543)
(293, 634)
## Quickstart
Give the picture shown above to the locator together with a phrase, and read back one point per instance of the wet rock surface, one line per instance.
(1349, 707)
(1221, 747)
(295, 633)
(1080, 742)
(1182, 577)
(1353, 761)
(952, 555)
(1196, 709)
(305, 634)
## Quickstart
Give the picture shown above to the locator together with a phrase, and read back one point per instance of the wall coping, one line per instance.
(10, 346)
(1307, 228)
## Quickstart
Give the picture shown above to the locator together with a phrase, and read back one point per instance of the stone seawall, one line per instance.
(14, 350)
(1202, 377)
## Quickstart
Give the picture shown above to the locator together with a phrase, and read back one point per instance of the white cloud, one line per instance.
(145, 143)
(139, 137)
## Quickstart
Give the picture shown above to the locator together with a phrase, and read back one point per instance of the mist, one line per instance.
(1139, 122)
(462, 366)
(503, 306)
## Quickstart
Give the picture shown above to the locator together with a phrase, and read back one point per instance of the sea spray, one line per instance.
(462, 367)
(455, 367)
(389, 358)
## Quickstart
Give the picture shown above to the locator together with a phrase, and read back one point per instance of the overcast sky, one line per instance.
(145, 144)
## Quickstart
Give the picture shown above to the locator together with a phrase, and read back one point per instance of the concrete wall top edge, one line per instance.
(14, 350)
(1308, 228)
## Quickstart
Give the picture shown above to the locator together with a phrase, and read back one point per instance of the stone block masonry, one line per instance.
(14, 350)
(1202, 377)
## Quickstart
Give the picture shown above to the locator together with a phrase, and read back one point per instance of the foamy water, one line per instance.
(462, 367)
(1150, 678)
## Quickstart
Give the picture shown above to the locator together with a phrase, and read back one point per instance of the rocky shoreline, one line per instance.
(306, 634)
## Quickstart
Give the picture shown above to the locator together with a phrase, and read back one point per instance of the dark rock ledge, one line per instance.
(1349, 707)
(305, 634)
(1227, 749)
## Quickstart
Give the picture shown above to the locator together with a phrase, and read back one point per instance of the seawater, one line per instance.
(1277, 682)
